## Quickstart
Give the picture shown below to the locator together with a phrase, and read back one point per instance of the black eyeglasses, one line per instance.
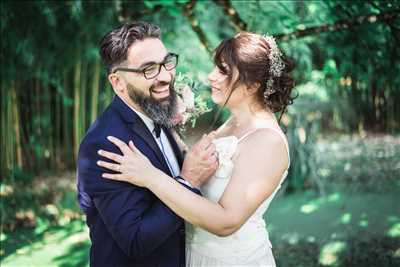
(150, 72)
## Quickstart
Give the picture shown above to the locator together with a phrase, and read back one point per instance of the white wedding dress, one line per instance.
(250, 245)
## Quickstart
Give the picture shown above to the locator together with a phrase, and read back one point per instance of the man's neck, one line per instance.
(134, 106)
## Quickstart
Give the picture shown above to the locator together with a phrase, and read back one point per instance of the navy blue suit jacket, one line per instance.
(129, 225)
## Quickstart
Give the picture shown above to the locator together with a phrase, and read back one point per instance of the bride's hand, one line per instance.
(132, 165)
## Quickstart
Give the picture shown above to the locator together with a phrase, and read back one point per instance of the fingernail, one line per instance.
(100, 152)
(98, 163)
(109, 138)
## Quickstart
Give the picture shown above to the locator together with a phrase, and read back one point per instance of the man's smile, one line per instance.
(160, 92)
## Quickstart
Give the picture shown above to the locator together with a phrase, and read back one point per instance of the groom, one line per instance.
(129, 226)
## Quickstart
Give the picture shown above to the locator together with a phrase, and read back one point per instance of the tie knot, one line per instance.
(157, 130)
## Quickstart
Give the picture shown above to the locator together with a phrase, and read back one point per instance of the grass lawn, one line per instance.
(354, 220)
(341, 229)
(305, 229)
(66, 245)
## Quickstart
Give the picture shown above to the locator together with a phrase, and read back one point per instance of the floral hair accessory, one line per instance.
(276, 65)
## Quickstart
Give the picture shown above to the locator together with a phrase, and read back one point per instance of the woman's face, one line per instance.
(219, 83)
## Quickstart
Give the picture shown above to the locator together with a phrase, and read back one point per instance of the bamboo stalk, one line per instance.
(6, 127)
(83, 110)
(95, 90)
(77, 124)
(49, 154)
(16, 125)
(57, 123)
(38, 125)
(67, 133)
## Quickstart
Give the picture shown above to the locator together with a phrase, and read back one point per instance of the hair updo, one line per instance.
(249, 53)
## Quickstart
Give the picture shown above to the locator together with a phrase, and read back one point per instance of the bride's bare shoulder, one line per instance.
(264, 145)
(264, 139)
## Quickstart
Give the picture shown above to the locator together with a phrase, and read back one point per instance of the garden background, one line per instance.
(339, 205)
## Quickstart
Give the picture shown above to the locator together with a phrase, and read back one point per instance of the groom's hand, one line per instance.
(201, 161)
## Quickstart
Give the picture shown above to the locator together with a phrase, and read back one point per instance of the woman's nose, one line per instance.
(211, 76)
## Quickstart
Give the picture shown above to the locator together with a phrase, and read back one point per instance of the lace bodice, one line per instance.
(247, 241)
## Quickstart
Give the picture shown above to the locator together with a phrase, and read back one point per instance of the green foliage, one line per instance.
(347, 83)
(347, 80)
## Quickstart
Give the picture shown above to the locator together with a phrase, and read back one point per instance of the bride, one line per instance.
(226, 226)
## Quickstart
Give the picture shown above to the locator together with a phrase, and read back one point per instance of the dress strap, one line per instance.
(248, 133)
(224, 124)
(280, 133)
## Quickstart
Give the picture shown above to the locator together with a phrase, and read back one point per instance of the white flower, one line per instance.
(188, 98)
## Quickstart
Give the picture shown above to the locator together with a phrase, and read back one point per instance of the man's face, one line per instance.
(155, 96)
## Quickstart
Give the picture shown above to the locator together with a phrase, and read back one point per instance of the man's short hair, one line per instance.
(115, 44)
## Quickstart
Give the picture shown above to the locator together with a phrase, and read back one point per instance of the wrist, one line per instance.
(187, 177)
(153, 180)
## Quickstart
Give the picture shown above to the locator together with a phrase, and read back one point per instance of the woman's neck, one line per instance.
(245, 115)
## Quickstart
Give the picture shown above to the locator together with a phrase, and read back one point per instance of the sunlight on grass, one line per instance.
(394, 231)
(310, 239)
(335, 197)
(347, 167)
(315, 204)
(6, 190)
(324, 172)
(329, 253)
(53, 246)
(393, 219)
(291, 238)
(346, 218)
(309, 208)
(3, 237)
(396, 253)
(363, 223)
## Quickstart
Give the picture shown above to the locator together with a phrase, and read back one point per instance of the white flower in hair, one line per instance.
(276, 64)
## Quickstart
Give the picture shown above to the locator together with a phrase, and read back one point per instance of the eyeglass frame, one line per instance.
(143, 69)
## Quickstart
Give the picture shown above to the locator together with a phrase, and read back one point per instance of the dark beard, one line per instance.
(161, 112)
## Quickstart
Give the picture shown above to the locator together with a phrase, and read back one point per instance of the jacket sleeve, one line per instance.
(137, 222)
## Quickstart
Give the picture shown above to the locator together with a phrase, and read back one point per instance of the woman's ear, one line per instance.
(252, 89)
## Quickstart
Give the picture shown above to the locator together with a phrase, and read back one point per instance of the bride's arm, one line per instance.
(257, 173)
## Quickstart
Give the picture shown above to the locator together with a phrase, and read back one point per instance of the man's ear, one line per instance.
(117, 82)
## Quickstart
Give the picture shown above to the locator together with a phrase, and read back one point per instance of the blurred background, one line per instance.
(339, 204)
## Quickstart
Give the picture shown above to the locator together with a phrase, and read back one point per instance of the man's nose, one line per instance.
(164, 75)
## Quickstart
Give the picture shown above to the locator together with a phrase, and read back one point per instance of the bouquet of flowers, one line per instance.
(189, 106)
